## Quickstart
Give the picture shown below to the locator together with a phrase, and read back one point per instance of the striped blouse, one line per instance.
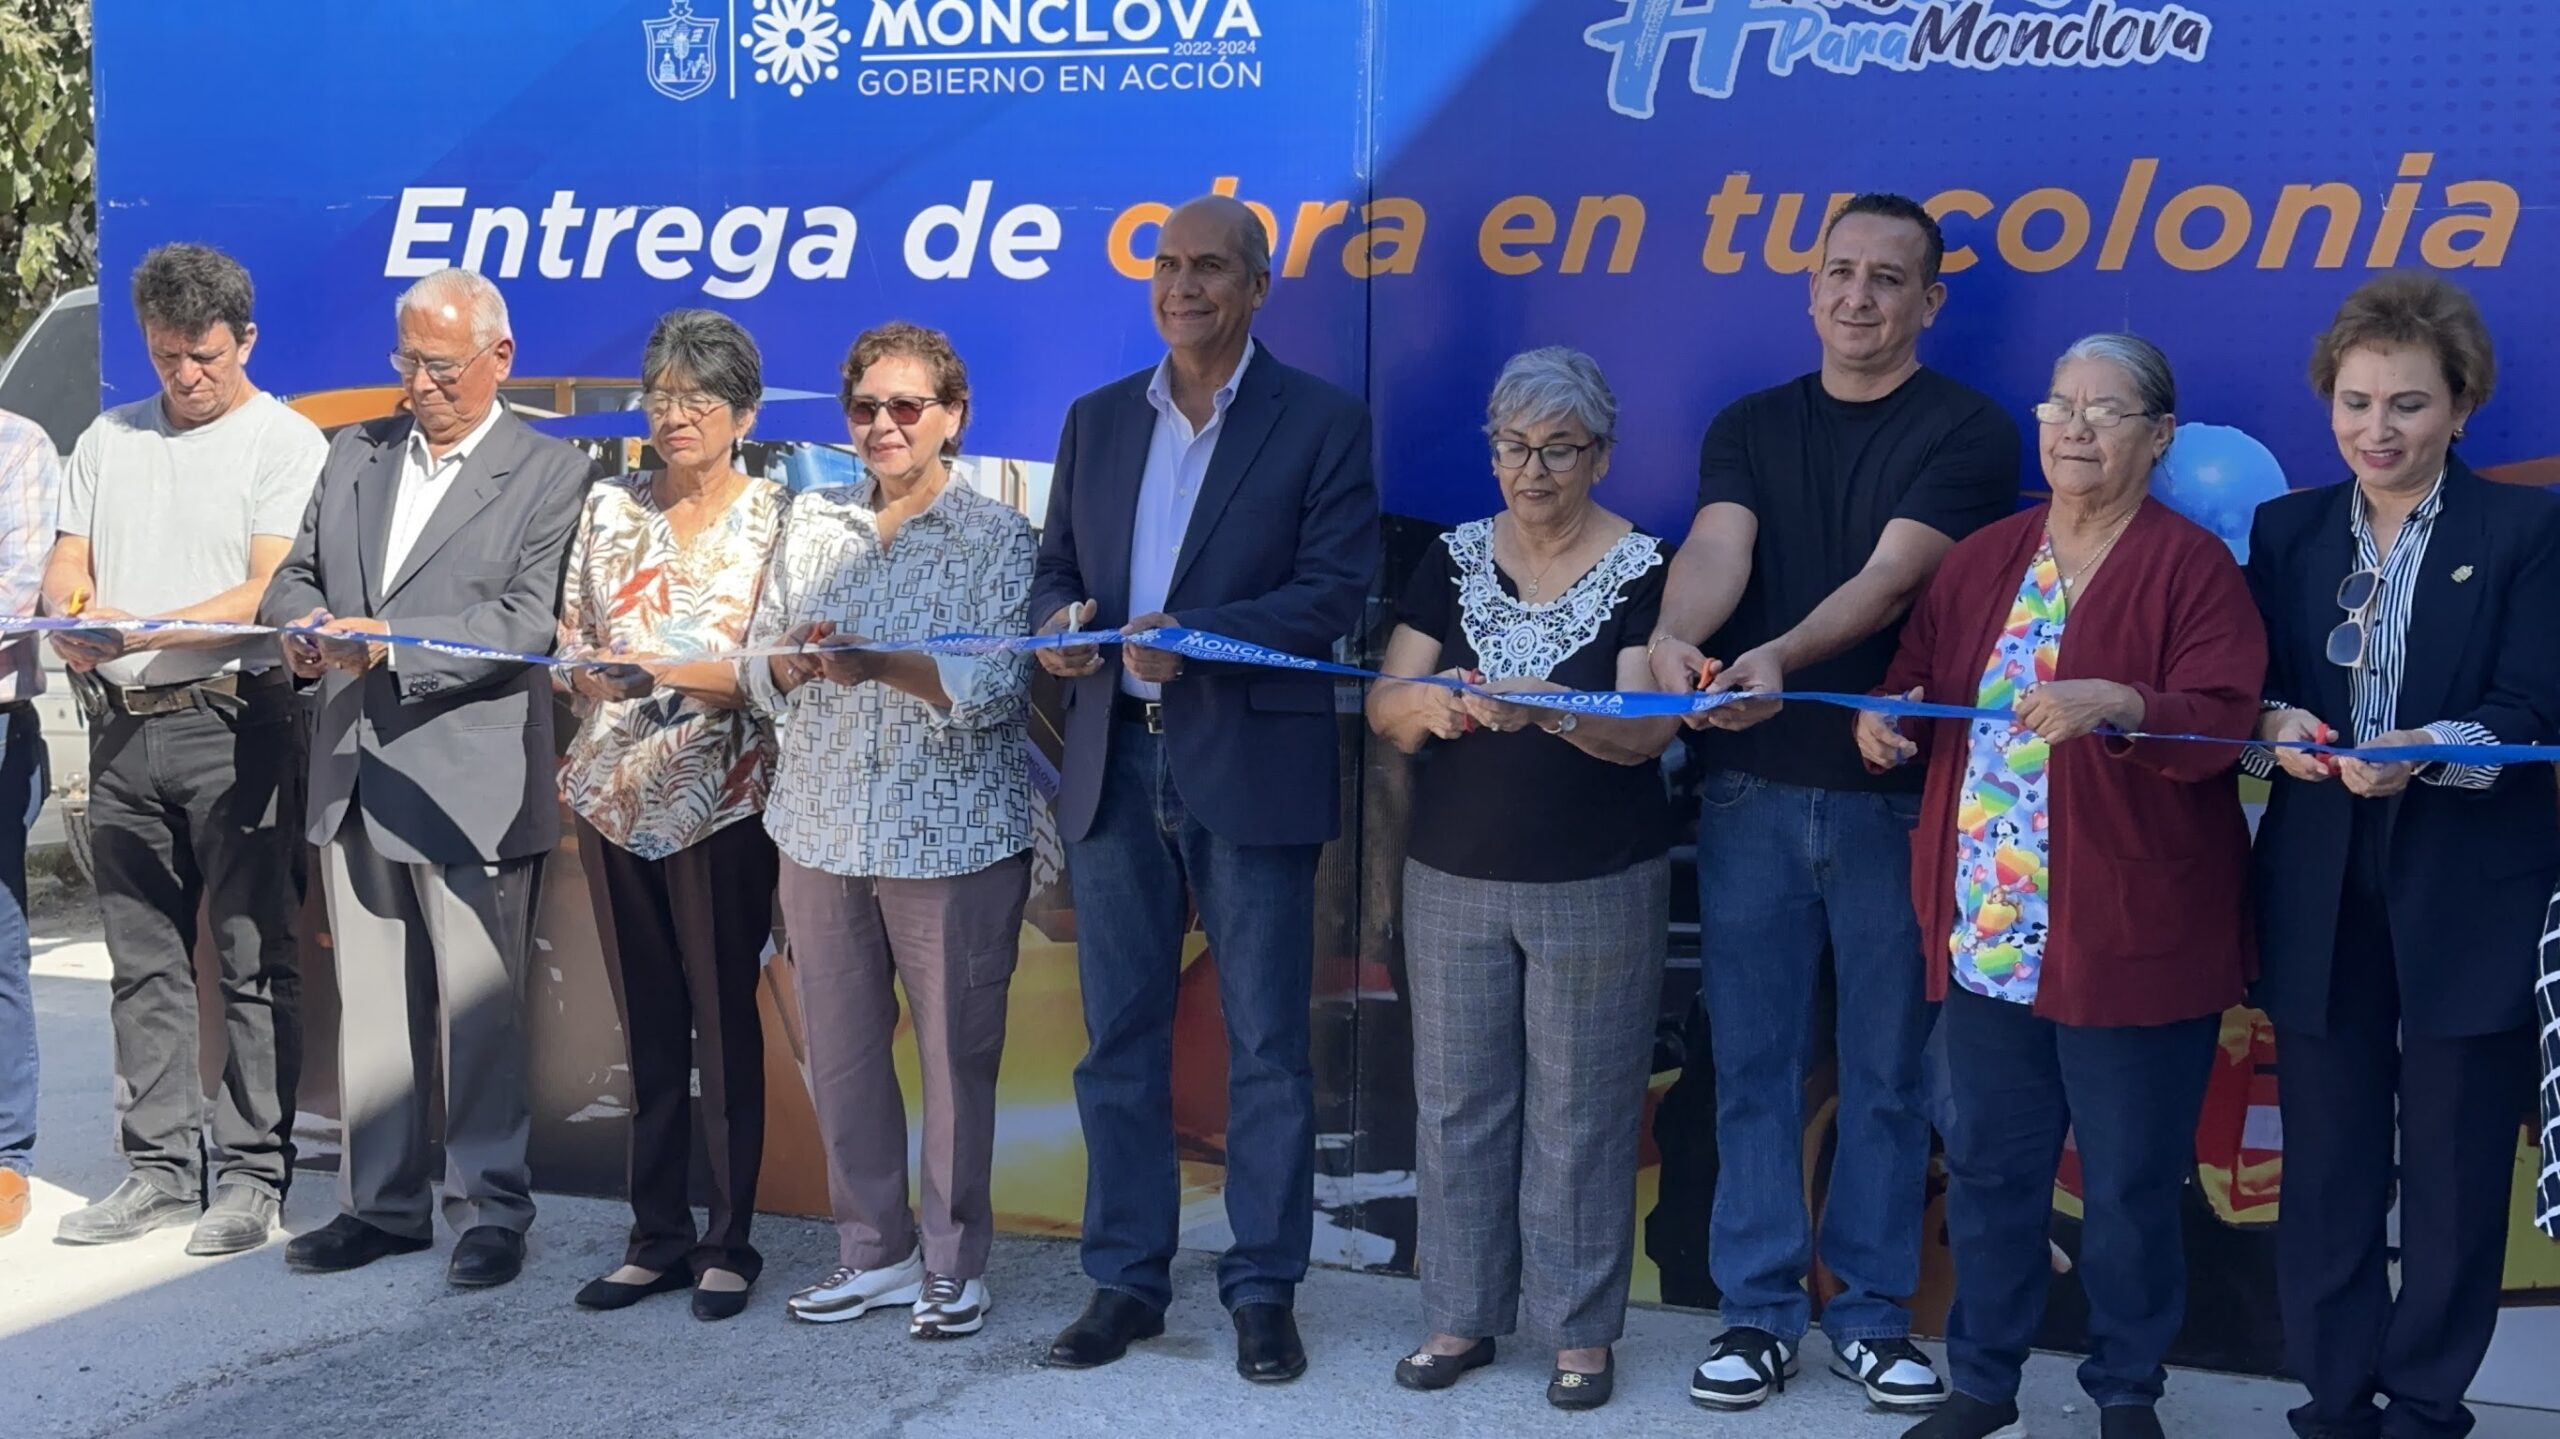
(2374, 689)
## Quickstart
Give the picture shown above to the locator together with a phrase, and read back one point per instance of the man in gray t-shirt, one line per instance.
(171, 518)
(180, 507)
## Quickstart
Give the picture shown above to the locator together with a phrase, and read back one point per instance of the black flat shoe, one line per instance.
(1572, 1390)
(1427, 1371)
(1104, 1332)
(345, 1243)
(606, 1294)
(486, 1257)
(712, 1305)
(1267, 1347)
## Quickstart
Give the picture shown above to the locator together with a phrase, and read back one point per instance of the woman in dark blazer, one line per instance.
(2079, 892)
(2400, 905)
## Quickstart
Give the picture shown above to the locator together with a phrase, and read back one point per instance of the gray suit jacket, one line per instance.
(450, 760)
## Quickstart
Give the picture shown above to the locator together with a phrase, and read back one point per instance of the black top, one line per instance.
(1530, 806)
(1824, 477)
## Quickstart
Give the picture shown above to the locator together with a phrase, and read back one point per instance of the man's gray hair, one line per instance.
(1554, 383)
(468, 290)
(2153, 384)
(1254, 243)
(714, 351)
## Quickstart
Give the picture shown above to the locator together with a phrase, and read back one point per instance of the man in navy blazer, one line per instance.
(1220, 490)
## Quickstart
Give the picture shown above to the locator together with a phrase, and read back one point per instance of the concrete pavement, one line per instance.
(141, 1340)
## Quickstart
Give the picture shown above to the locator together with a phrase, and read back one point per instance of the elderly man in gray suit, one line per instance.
(431, 776)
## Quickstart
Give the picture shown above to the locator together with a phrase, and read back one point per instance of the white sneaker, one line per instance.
(1895, 1372)
(1743, 1369)
(949, 1308)
(852, 1293)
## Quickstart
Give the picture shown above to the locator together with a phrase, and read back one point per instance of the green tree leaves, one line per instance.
(48, 158)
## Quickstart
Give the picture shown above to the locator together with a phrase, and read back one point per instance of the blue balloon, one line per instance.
(2218, 476)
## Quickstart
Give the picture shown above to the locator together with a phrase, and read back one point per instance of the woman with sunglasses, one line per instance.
(666, 776)
(1536, 893)
(2079, 882)
(902, 806)
(2400, 903)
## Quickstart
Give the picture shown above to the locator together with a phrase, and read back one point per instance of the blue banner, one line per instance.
(1447, 181)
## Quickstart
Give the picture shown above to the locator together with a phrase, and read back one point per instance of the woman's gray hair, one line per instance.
(1554, 383)
(713, 350)
(2153, 384)
(468, 290)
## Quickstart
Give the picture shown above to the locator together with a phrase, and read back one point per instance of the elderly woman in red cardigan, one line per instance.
(2081, 894)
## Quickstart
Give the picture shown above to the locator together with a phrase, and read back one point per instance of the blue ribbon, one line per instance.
(1207, 647)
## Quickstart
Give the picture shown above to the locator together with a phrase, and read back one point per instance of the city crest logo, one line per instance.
(684, 52)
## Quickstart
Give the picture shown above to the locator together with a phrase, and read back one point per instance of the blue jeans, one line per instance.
(22, 788)
(1784, 872)
(2131, 1097)
(1257, 905)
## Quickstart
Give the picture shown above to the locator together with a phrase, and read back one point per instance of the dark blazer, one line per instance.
(449, 759)
(1282, 546)
(2149, 846)
(2471, 870)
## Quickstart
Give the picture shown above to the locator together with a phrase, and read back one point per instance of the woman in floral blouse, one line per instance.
(902, 806)
(667, 776)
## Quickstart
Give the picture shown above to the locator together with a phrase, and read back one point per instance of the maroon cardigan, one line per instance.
(2150, 851)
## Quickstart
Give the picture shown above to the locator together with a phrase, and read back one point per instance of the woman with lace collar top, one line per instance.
(1536, 892)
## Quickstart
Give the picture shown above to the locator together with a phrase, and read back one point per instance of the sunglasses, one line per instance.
(902, 410)
(2356, 595)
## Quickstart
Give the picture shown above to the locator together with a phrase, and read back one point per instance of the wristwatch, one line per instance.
(1564, 724)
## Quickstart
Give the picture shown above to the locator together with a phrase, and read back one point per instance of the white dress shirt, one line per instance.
(1177, 461)
(424, 482)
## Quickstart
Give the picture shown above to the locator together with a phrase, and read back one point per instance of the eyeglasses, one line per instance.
(443, 372)
(1555, 458)
(2099, 414)
(903, 410)
(658, 404)
(2356, 595)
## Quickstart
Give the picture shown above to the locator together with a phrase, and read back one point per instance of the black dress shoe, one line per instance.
(2129, 1421)
(1427, 1371)
(486, 1257)
(711, 1305)
(344, 1243)
(135, 1208)
(1267, 1347)
(606, 1294)
(239, 1220)
(1571, 1389)
(1104, 1332)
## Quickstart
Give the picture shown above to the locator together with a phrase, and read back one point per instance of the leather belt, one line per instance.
(221, 694)
(1130, 709)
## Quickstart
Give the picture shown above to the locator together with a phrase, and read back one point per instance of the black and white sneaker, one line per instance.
(1897, 1374)
(1743, 1369)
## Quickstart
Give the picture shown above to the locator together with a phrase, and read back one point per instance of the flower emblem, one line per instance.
(795, 42)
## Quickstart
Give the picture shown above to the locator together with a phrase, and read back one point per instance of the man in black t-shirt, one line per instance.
(1824, 505)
